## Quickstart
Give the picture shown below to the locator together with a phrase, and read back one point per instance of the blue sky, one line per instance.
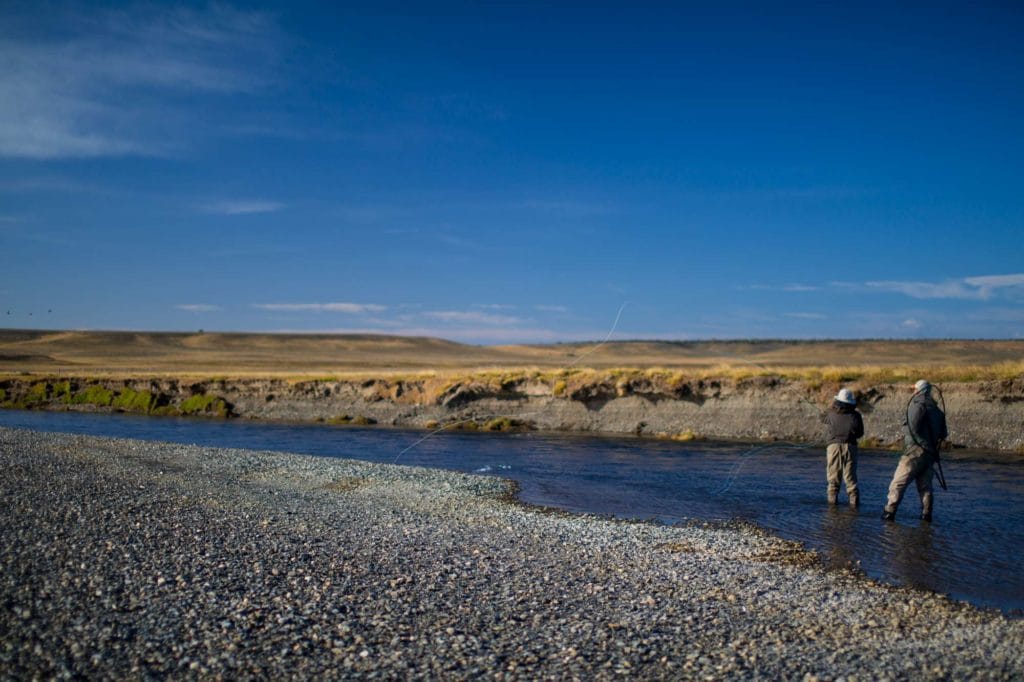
(514, 172)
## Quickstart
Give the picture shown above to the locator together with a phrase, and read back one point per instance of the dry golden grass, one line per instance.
(444, 364)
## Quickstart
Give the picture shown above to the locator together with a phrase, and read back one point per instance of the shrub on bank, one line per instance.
(62, 392)
(37, 393)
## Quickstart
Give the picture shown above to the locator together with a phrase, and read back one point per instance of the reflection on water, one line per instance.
(911, 548)
(968, 552)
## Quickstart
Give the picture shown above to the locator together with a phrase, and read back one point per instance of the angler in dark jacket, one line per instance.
(924, 429)
(845, 427)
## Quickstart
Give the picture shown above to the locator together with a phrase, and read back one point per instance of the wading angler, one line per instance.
(924, 429)
(845, 426)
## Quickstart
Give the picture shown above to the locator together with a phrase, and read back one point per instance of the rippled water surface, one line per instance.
(971, 550)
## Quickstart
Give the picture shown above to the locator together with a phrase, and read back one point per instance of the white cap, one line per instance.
(921, 386)
(845, 395)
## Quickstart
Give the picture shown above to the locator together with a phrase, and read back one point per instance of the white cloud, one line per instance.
(243, 207)
(989, 283)
(479, 325)
(348, 308)
(551, 308)
(466, 334)
(911, 323)
(198, 307)
(96, 89)
(969, 288)
(472, 317)
(806, 316)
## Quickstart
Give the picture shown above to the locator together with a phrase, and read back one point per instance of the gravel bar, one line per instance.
(131, 559)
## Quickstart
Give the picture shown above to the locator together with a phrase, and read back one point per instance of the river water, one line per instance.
(971, 551)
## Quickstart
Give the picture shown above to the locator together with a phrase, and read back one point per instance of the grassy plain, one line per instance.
(295, 356)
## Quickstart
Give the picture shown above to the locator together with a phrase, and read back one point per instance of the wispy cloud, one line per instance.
(551, 308)
(806, 316)
(26, 184)
(480, 324)
(565, 209)
(472, 317)
(950, 289)
(789, 288)
(976, 288)
(198, 307)
(458, 242)
(464, 334)
(93, 90)
(494, 306)
(25, 229)
(243, 207)
(372, 214)
(807, 193)
(348, 308)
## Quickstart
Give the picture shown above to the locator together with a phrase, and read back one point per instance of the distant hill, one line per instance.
(236, 354)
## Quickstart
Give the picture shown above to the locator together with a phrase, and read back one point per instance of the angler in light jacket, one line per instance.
(924, 429)
(845, 426)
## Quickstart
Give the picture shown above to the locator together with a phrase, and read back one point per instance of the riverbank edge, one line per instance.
(982, 415)
(696, 599)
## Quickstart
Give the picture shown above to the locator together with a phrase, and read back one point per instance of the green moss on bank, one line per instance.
(93, 395)
(131, 400)
(348, 420)
(205, 404)
(505, 424)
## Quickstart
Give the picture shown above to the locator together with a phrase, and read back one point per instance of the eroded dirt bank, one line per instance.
(984, 414)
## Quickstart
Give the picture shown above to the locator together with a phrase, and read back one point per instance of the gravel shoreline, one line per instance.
(132, 559)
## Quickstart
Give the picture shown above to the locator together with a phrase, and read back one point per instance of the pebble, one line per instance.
(136, 559)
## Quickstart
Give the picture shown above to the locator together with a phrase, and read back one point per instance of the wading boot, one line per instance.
(832, 499)
(854, 501)
(888, 516)
(926, 516)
